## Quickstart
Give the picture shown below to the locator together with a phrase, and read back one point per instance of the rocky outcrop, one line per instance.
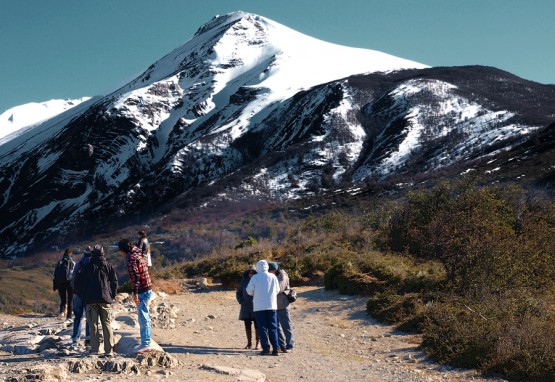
(52, 340)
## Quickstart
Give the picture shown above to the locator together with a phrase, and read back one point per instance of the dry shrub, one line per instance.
(511, 337)
(525, 349)
(457, 335)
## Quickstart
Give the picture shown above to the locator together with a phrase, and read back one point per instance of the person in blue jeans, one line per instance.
(78, 306)
(264, 288)
(285, 327)
(142, 289)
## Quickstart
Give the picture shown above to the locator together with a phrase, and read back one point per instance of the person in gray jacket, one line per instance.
(285, 327)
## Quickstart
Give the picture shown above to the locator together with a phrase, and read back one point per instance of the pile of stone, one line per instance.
(51, 340)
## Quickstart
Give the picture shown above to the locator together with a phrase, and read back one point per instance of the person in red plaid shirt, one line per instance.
(142, 288)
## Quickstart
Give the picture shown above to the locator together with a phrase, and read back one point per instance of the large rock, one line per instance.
(243, 375)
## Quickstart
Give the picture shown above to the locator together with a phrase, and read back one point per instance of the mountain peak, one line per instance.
(220, 21)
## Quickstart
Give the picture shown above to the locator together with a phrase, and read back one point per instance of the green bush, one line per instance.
(488, 239)
(405, 311)
(348, 279)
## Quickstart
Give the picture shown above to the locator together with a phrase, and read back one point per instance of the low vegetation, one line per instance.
(471, 268)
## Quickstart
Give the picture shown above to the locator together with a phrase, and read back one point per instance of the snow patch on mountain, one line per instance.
(452, 116)
(33, 113)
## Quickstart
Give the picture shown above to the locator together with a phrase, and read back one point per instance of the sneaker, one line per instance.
(108, 355)
(143, 350)
(264, 352)
(93, 353)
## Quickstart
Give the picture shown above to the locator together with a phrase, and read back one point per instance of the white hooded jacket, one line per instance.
(264, 287)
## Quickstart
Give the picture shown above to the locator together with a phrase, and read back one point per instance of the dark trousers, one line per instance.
(266, 321)
(66, 298)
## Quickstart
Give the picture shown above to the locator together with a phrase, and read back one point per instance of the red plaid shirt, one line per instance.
(138, 271)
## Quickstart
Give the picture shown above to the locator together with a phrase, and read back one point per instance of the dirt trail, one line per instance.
(335, 341)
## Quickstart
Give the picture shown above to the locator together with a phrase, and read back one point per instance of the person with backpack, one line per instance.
(144, 245)
(142, 289)
(97, 284)
(285, 327)
(79, 310)
(63, 274)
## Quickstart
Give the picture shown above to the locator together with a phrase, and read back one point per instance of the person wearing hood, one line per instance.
(246, 314)
(63, 274)
(79, 310)
(285, 328)
(264, 287)
(97, 284)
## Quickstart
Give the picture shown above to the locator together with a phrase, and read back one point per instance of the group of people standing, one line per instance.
(262, 294)
(91, 287)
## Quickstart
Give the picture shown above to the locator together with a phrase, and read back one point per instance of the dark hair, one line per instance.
(68, 252)
(142, 233)
(124, 245)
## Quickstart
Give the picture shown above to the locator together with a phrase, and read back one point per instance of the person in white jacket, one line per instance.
(264, 287)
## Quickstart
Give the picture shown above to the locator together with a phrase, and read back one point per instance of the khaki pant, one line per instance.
(102, 311)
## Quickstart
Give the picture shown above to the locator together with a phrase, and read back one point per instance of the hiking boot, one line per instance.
(275, 352)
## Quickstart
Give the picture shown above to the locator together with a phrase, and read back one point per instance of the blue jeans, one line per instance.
(266, 321)
(79, 312)
(286, 337)
(144, 317)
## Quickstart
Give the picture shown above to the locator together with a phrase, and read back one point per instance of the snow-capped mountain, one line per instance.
(30, 114)
(251, 106)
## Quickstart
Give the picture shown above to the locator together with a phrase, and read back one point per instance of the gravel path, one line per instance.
(335, 341)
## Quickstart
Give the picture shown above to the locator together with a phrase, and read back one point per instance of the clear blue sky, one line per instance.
(70, 48)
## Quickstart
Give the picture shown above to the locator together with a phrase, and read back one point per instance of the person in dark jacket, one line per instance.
(285, 327)
(246, 313)
(97, 284)
(79, 310)
(142, 289)
(63, 275)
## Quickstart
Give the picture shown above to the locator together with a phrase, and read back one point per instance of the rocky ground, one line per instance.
(202, 340)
